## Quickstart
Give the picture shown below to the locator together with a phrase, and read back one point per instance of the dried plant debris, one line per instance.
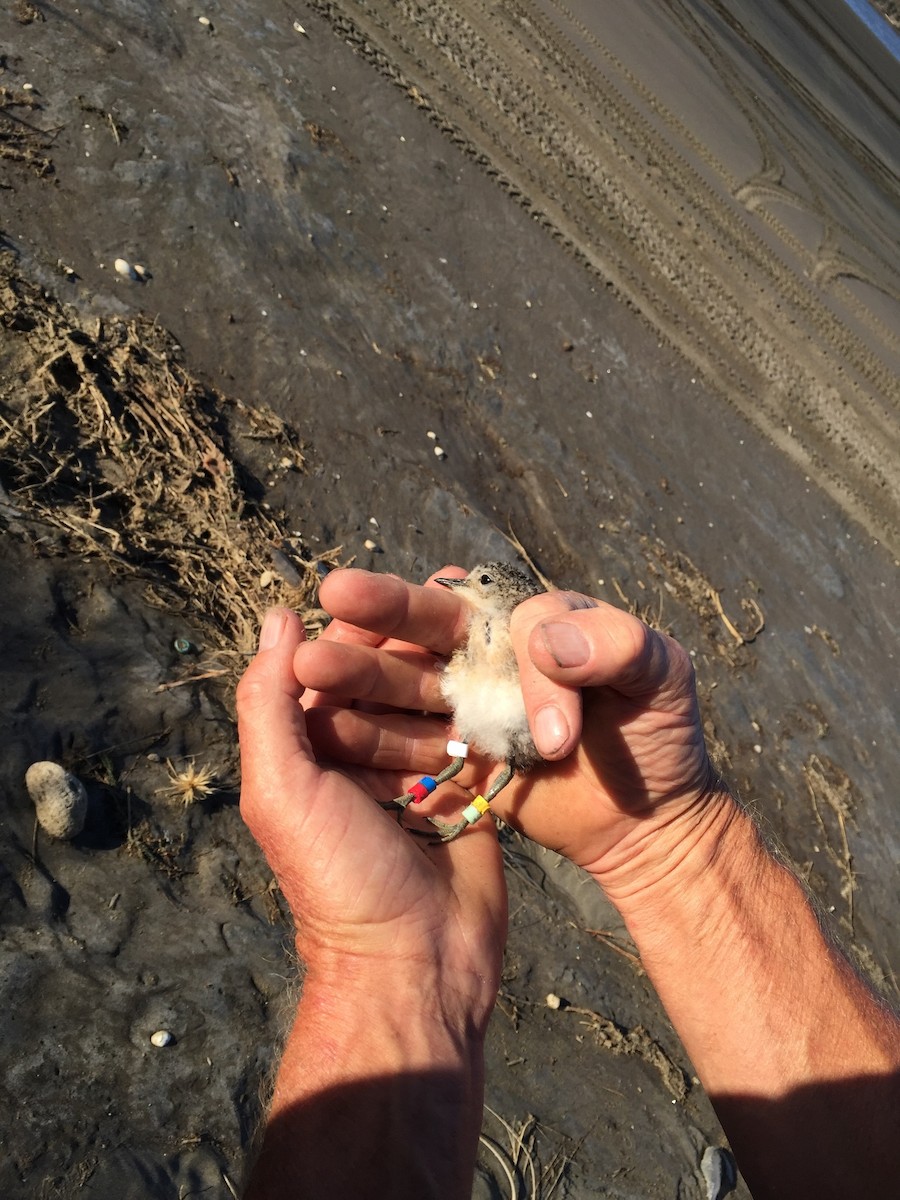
(513, 1154)
(109, 447)
(676, 575)
(833, 803)
(21, 141)
(191, 783)
(636, 1041)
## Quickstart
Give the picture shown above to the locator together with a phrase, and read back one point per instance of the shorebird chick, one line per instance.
(481, 685)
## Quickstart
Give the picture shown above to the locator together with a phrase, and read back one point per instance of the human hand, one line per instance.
(371, 904)
(628, 788)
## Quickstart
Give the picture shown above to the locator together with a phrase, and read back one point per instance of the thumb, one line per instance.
(566, 642)
(271, 723)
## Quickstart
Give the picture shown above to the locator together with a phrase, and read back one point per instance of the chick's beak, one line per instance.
(452, 583)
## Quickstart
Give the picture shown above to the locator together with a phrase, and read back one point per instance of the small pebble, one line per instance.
(719, 1172)
(553, 1001)
(440, 452)
(161, 1038)
(60, 799)
(369, 544)
(124, 268)
(286, 569)
(266, 579)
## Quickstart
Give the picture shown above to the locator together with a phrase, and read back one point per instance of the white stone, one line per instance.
(60, 800)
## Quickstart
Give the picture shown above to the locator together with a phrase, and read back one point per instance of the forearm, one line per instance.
(800, 1058)
(376, 1097)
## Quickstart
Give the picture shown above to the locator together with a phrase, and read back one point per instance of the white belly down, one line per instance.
(489, 714)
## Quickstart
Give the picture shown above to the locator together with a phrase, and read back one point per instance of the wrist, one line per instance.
(676, 853)
(405, 1013)
(380, 1089)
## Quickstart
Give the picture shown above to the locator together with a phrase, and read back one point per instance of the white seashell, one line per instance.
(60, 800)
(440, 452)
(204, 20)
(369, 544)
(140, 273)
(124, 268)
(553, 1001)
(161, 1038)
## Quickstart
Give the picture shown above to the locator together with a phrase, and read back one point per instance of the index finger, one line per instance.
(388, 607)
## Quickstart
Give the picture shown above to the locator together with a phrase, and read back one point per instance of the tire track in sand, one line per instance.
(589, 150)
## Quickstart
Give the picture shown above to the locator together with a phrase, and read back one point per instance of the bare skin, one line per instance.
(800, 1058)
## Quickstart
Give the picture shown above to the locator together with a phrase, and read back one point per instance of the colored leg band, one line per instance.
(423, 788)
(476, 810)
(458, 749)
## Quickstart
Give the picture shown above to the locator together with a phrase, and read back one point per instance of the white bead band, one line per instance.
(458, 749)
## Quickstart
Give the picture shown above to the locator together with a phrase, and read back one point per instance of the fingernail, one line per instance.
(551, 730)
(566, 643)
(272, 628)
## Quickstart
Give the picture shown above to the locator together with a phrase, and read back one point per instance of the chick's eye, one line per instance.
(486, 579)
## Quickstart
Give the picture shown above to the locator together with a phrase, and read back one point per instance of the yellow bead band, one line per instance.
(476, 810)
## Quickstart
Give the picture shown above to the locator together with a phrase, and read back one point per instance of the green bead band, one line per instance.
(476, 810)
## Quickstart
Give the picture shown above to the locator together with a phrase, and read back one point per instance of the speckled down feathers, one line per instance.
(481, 681)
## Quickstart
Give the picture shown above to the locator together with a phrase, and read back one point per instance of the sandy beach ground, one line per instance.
(615, 285)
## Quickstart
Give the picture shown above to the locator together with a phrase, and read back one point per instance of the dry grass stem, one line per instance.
(826, 781)
(749, 605)
(609, 939)
(526, 557)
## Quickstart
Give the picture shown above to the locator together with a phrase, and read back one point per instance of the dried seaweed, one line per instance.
(109, 447)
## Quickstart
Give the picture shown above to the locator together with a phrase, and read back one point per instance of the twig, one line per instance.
(608, 940)
(165, 687)
(147, 737)
(514, 542)
(848, 863)
(742, 639)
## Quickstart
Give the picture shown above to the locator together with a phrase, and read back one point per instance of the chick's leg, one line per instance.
(425, 786)
(476, 810)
